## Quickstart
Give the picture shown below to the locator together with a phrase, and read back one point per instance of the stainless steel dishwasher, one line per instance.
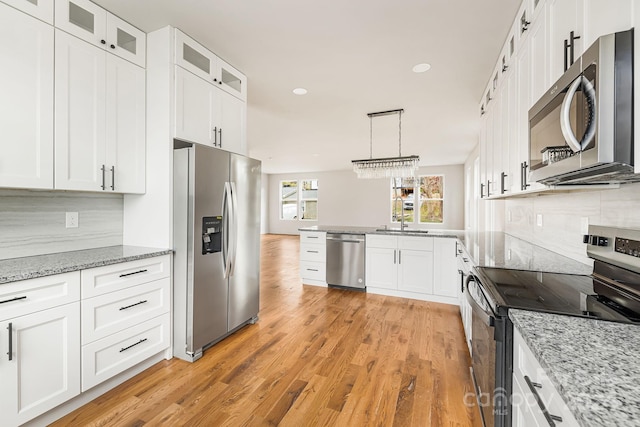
(345, 260)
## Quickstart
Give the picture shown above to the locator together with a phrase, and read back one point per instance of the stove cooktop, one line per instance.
(567, 294)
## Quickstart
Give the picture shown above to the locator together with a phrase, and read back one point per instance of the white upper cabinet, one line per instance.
(565, 35)
(195, 108)
(91, 23)
(125, 125)
(26, 104)
(539, 57)
(41, 9)
(100, 119)
(196, 58)
(79, 115)
(231, 136)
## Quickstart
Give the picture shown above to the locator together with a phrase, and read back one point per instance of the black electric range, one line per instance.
(610, 293)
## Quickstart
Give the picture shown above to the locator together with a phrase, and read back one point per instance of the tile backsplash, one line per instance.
(564, 216)
(33, 222)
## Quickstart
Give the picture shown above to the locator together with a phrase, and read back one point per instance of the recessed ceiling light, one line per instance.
(421, 68)
(300, 91)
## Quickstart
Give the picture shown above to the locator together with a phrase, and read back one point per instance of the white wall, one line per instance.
(264, 204)
(564, 213)
(343, 199)
(33, 222)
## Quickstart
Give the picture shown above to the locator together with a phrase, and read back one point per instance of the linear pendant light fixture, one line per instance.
(388, 167)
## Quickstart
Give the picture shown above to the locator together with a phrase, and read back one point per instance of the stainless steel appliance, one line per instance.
(216, 221)
(345, 260)
(611, 293)
(581, 130)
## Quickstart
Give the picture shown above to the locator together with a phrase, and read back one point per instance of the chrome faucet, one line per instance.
(402, 225)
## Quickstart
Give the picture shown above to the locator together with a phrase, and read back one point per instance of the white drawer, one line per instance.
(313, 270)
(101, 280)
(28, 296)
(417, 243)
(313, 252)
(110, 313)
(318, 237)
(381, 241)
(116, 353)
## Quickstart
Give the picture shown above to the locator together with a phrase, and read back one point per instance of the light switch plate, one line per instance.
(539, 220)
(72, 219)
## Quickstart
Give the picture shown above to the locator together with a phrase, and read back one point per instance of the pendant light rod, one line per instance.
(386, 113)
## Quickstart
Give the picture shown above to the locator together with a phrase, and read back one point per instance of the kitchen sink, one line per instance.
(406, 230)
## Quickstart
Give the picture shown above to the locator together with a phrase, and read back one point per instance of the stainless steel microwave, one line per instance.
(581, 130)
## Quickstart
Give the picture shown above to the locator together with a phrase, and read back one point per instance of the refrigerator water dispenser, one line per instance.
(211, 234)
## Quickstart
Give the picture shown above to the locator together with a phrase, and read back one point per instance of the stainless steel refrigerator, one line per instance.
(216, 219)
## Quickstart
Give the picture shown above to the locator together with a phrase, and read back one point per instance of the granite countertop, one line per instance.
(501, 250)
(594, 364)
(15, 269)
(457, 234)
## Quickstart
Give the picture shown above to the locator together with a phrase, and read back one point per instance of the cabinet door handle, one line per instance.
(132, 345)
(220, 131)
(572, 45)
(551, 419)
(13, 299)
(103, 169)
(394, 256)
(103, 41)
(135, 272)
(399, 256)
(566, 54)
(502, 177)
(112, 46)
(10, 353)
(215, 136)
(132, 305)
(113, 178)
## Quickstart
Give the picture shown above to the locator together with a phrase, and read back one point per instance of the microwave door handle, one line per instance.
(590, 93)
(565, 119)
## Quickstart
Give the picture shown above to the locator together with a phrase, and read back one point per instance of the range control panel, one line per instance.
(628, 247)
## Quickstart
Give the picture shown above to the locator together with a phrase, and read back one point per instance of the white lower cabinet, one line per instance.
(313, 256)
(533, 393)
(417, 267)
(125, 316)
(116, 353)
(40, 349)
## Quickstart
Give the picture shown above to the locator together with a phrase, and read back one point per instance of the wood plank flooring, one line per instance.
(317, 357)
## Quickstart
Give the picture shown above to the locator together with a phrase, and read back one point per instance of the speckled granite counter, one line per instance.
(501, 250)
(373, 230)
(594, 364)
(15, 269)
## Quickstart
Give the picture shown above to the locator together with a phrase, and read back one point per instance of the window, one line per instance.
(431, 199)
(402, 190)
(309, 200)
(299, 202)
(288, 199)
(418, 199)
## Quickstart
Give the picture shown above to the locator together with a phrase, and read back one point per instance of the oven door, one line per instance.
(490, 356)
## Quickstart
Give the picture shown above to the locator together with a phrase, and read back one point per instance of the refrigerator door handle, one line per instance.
(233, 238)
(226, 214)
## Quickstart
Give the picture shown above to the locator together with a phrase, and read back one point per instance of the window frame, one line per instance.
(299, 200)
(418, 199)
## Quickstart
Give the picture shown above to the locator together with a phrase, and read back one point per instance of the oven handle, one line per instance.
(486, 317)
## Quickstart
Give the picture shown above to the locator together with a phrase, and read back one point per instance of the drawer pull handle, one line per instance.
(13, 299)
(312, 252)
(551, 419)
(133, 345)
(10, 353)
(135, 272)
(312, 237)
(312, 269)
(133, 305)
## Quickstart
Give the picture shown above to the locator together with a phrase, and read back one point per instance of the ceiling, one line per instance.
(354, 57)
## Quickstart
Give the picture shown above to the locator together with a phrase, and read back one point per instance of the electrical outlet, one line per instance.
(509, 215)
(539, 220)
(72, 219)
(584, 225)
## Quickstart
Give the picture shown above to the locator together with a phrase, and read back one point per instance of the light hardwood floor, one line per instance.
(317, 357)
